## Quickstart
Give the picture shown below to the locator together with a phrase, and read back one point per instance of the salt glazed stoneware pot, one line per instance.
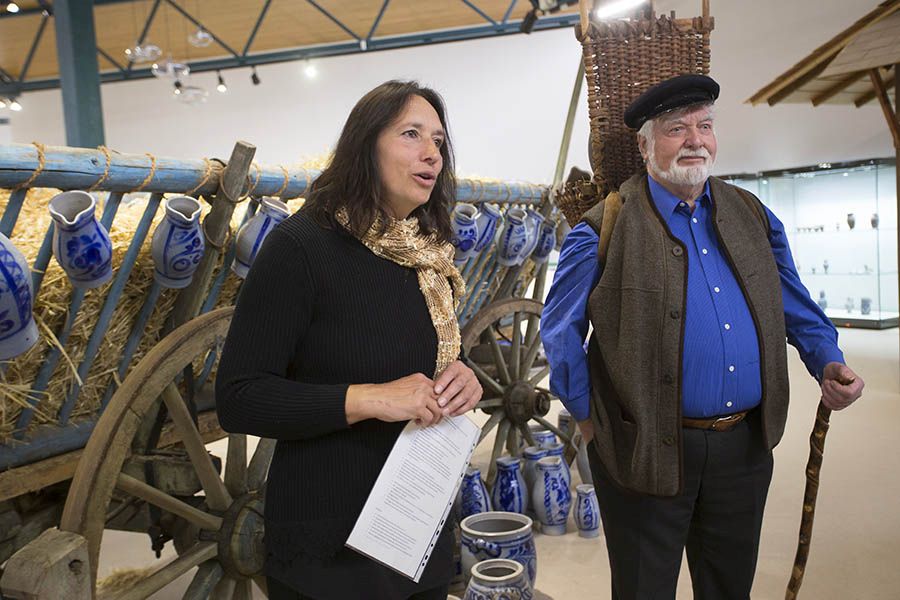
(513, 237)
(531, 454)
(271, 212)
(551, 497)
(473, 494)
(177, 245)
(499, 579)
(81, 244)
(509, 493)
(498, 535)
(587, 511)
(18, 331)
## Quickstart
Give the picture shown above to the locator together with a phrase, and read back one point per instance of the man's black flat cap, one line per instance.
(670, 94)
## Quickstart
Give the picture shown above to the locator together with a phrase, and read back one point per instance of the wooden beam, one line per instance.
(867, 97)
(826, 94)
(886, 108)
(823, 53)
(796, 84)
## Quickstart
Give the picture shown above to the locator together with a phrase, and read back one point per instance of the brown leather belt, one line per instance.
(725, 423)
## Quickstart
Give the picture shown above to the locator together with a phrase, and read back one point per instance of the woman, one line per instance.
(344, 331)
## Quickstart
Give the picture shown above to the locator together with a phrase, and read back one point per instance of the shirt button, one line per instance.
(677, 250)
(694, 219)
(729, 403)
(705, 251)
(731, 368)
(727, 326)
(716, 289)
(682, 204)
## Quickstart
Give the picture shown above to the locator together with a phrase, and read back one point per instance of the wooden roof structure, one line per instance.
(245, 31)
(837, 72)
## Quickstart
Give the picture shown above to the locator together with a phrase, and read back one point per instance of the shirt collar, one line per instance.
(667, 202)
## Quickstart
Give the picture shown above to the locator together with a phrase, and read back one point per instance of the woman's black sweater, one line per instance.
(317, 313)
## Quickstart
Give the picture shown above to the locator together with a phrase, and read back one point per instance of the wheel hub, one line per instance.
(241, 548)
(522, 402)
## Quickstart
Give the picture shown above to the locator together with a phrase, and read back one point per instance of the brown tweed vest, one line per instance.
(637, 312)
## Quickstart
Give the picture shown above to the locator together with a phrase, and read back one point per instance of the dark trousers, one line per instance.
(281, 591)
(717, 519)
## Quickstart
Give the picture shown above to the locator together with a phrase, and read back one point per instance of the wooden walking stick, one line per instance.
(813, 468)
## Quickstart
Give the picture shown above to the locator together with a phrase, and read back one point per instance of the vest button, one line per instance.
(675, 314)
(668, 378)
(668, 440)
(677, 251)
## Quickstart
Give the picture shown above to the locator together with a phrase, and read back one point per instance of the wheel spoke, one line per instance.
(533, 348)
(512, 441)
(516, 336)
(236, 465)
(485, 379)
(502, 370)
(489, 403)
(526, 433)
(225, 589)
(537, 377)
(261, 583)
(217, 496)
(207, 576)
(168, 573)
(243, 590)
(259, 464)
(497, 451)
(156, 497)
(491, 423)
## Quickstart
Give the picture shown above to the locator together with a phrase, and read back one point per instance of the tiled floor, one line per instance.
(856, 545)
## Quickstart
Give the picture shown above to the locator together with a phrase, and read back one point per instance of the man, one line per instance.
(684, 387)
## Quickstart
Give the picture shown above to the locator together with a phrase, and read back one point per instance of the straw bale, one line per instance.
(51, 310)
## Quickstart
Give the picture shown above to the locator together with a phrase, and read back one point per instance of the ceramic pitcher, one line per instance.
(551, 496)
(474, 497)
(18, 331)
(81, 244)
(177, 245)
(513, 237)
(587, 511)
(509, 493)
(271, 212)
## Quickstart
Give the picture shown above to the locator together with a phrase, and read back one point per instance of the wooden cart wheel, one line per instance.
(503, 346)
(221, 530)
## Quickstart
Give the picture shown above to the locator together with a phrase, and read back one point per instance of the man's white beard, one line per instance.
(678, 175)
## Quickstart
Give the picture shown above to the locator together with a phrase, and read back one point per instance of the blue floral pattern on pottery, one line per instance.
(587, 510)
(509, 493)
(498, 580)
(81, 244)
(474, 494)
(498, 535)
(551, 495)
(177, 245)
(18, 331)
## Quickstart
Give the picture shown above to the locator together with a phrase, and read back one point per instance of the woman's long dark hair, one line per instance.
(352, 179)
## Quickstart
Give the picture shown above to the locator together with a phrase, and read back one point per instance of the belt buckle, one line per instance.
(723, 420)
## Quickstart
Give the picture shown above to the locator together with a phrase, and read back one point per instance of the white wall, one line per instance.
(507, 99)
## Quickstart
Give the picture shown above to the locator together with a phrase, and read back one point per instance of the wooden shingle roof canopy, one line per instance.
(838, 72)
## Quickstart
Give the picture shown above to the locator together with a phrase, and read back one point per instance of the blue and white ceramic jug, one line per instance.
(533, 224)
(177, 245)
(513, 237)
(587, 511)
(509, 493)
(551, 496)
(531, 454)
(271, 212)
(498, 535)
(474, 497)
(546, 243)
(473, 229)
(81, 244)
(18, 331)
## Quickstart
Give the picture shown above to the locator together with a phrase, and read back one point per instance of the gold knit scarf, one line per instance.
(439, 280)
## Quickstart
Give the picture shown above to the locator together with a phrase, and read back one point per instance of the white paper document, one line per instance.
(406, 510)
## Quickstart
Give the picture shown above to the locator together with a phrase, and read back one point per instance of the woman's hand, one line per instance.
(458, 389)
(409, 398)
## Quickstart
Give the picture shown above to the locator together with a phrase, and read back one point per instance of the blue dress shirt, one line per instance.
(720, 349)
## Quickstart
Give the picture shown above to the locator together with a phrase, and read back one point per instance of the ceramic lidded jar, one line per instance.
(551, 496)
(18, 331)
(498, 535)
(498, 579)
(81, 244)
(177, 245)
(271, 212)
